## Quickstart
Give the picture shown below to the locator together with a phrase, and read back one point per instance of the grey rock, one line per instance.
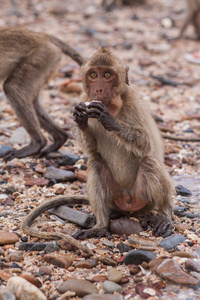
(108, 243)
(50, 248)
(59, 175)
(20, 136)
(172, 241)
(111, 287)
(80, 286)
(181, 190)
(4, 149)
(67, 159)
(25, 246)
(38, 247)
(123, 247)
(137, 257)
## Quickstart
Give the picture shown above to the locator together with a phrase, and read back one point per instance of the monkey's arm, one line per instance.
(135, 138)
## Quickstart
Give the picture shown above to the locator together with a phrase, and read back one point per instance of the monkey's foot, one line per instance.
(90, 233)
(55, 146)
(160, 224)
(24, 152)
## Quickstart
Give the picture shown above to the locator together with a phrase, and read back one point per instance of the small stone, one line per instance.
(169, 269)
(58, 174)
(86, 264)
(98, 278)
(111, 287)
(114, 275)
(172, 241)
(181, 190)
(106, 260)
(59, 260)
(32, 279)
(108, 243)
(36, 181)
(144, 291)
(24, 290)
(14, 256)
(44, 270)
(81, 175)
(67, 160)
(103, 297)
(7, 237)
(137, 257)
(5, 294)
(20, 136)
(123, 247)
(80, 286)
(25, 246)
(134, 269)
(4, 149)
(38, 247)
(72, 87)
(10, 190)
(125, 226)
(192, 265)
(50, 248)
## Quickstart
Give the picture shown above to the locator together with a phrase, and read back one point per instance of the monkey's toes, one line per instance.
(90, 233)
(9, 155)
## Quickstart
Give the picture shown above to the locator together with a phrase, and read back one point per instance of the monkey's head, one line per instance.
(104, 76)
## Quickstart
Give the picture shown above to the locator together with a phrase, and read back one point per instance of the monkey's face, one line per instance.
(101, 84)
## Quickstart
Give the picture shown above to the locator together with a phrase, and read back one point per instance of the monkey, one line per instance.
(192, 17)
(27, 61)
(126, 172)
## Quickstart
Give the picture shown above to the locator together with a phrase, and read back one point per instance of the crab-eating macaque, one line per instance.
(27, 60)
(125, 166)
(192, 17)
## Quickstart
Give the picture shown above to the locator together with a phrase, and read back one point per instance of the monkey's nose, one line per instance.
(99, 91)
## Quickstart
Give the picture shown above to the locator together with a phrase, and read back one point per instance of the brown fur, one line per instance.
(27, 59)
(192, 17)
(132, 151)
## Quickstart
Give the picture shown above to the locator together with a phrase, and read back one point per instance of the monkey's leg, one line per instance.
(154, 185)
(22, 87)
(59, 135)
(99, 197)
(188, 20)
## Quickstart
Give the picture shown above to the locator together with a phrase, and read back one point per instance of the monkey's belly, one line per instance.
(129, 203)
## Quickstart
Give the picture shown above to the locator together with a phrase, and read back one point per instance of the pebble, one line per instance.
(103, 297)
(25, 246)
(106, 260)
(169, 269)
(59, 260)
(123, 248)
(114, 275)
(137, 240)
(24, 290)
(111, 287)
(52, 247)
(36, 181)
(137, 257)
(4, 149)
(7, 237)
(81, 175)
(86, 264)
(20, 136)
(14, 256)
(98, 278)
(38, 247)
(5, 294)
(81, 287)
(125, 226)
(73, 87)
(108, 243)
(192, 265)
(44, 270)
(181, 190)
(67, 160)
(58, 174)
(34, 280)
(171, 242)
(188, 200)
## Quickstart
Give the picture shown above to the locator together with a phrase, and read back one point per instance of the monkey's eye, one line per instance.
(93, 75)
(107, 75)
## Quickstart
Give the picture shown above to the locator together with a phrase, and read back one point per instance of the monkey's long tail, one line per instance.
(68, 50)
(57, 201)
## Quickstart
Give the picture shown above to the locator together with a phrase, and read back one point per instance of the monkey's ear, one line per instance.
(127, 79)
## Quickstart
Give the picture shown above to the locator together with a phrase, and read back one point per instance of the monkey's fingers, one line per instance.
(99, 105)
(162, 227)
(81, 107)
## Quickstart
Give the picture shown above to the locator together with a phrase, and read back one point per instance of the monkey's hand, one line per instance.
(80, 115)
(98, 111)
